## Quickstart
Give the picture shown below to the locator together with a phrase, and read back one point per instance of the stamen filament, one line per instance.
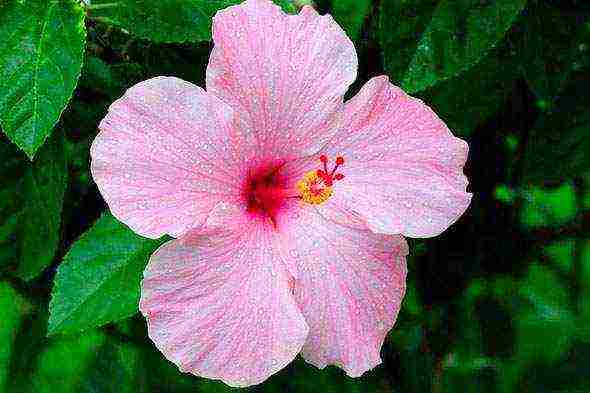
(316, 186)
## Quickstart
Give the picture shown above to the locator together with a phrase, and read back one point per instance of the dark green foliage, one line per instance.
(554, 45)
(163, 20)
(459, 100)
(166, 20)
(351, 14)
(498, 303)
(559, 143)
(31, 207)
(401, 25)
(13, 309)
(453, 36)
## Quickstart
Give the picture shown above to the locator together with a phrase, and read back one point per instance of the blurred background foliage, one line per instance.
(498, 303)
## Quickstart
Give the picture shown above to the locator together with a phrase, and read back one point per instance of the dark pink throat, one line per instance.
(265, 192)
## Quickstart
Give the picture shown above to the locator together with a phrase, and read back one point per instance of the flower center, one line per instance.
(316, 186)
(265, 192)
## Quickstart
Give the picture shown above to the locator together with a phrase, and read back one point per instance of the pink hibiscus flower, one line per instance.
(288, 205)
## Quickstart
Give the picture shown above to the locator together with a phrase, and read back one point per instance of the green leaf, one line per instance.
(467, 100)
(558, 145)
(12, 309)
(41, 55)
(507, 325)
(457, 36)
(547, 320)
(98, 281)
(115, 368)
(11, 171)
(62, 364)
(569, 374)
(88, 363)
(30, 207)
(97, 75)
(165, 20)
(351, 14)
(39, 223)
(548, 207)
(401, 24)
(549, 55)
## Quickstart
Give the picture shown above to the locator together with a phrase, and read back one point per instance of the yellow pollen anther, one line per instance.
(313, 189)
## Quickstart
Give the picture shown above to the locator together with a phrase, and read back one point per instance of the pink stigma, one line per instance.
(328, 177)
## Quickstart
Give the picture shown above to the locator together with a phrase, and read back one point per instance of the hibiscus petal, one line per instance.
(160, 160)
(403, 167)
(285, 74)
(350, 286)
(219, 303)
